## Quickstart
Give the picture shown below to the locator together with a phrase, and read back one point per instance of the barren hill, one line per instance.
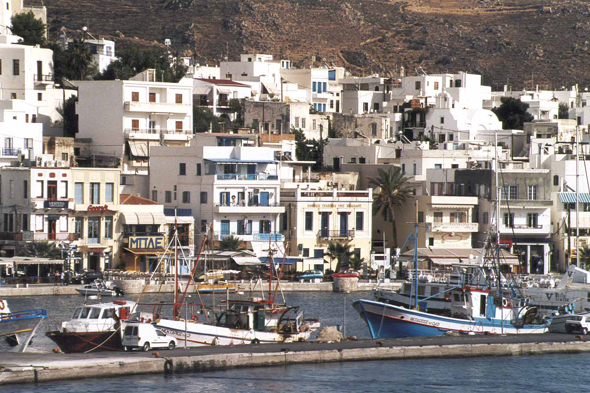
(522, 43)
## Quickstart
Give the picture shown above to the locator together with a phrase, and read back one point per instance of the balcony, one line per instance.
(39, 236)
(157, 107)
(156, 131)
(10, 152)
(246, 176)
(43, 79)
(454, 227)
(336, 234)
(265, 237)
(243, 208)
(527, 229)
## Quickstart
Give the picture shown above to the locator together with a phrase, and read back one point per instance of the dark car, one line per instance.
(87, 277)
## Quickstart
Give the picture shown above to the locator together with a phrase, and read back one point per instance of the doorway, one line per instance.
(52, 190)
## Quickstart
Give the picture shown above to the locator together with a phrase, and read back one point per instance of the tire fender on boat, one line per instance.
(2, 305)
(168, 367)
(504, 302)
(195, 317)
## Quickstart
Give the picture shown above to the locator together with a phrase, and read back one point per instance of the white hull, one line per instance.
(199, 334)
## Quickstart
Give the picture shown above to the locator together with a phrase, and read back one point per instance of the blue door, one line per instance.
(344, 224)
(264, 198)
(224, 227)
(325, 224)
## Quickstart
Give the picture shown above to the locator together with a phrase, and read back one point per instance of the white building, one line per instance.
(103, 52)
(10, 8)
(224, 182)
(259, 71)
(216, 95)
(321, 84)
(22, 135)
(142, 113)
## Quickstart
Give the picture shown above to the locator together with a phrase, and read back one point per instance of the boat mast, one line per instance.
(176, 313)
(270, 265)
(416, 257)
(498, 198)
(577, 198)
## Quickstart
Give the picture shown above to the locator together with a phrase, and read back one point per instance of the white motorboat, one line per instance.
(100, 288)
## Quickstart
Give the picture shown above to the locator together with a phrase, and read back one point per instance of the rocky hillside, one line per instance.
(522, 43)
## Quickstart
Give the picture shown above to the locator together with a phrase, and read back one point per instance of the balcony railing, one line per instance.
(44, 78)
(336, 234)
(9, 151)
(455, 227)
(265, 237)
(246, 176)
(157, 131)
(249, 204)
(55, 236)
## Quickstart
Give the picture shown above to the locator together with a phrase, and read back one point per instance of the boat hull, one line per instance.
(201, 334)
(390, 321)
(19, 327)
(80, 342)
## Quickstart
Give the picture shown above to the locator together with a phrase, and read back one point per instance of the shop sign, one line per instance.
(55, 204)
(93, 208)
(146, 242)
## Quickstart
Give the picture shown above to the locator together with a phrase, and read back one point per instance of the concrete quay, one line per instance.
(22, 368)
(137, 286)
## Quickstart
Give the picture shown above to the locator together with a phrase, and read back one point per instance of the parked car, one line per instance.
(578, 323)
(146, 336)
(347, 273)
(310, 275)
(87, 277)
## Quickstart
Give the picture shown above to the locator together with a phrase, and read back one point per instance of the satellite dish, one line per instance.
(167, 42)
(84, 28)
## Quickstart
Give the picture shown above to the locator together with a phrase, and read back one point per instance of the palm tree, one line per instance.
(41, 249)
(340, 252)
(393, 192)
(230, 243)
(585, 257)
(79, 58)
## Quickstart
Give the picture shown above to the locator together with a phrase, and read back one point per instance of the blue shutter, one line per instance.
(324, 88)
(264, 198)
(313, 86)
(225, 227)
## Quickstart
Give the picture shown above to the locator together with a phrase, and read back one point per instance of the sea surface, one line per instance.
(546, 373)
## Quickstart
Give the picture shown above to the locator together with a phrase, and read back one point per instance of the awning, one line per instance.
(570, 197)
(224, 90)
(180, 220)
(247, 261)
(278, 261)
(142, 218)
(272, 89)
(40, 261)
(201, 90)
(145, 251)
(445, 261)
(458, 206)
(139, 148)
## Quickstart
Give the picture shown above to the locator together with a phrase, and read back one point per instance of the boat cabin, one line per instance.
(102, 315)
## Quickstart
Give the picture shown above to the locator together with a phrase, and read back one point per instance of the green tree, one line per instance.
(230, 243)
(393, 192)
(564, 111)
(41, 249)
(79, 60)
(513, 113)
(309, 150)
(341, 252)
(31, 30)
(356, 262)
(585, 257)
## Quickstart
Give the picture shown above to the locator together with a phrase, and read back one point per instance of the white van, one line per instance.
(145, 336)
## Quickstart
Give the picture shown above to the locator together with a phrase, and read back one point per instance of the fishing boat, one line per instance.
(482, 309)
(19, 327)
(234, 321)
(100, 288)
(215, 281)
(93, 327)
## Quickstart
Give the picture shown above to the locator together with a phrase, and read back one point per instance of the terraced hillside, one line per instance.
(522, 43)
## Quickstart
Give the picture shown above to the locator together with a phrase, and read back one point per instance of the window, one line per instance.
(135, 96)
(182, 169)
(175, 189)
(39, 188)
(179, 126)
(437, 166)
(458, 216)
(108, 227)
(11, 188)
(25, 222)
(303, 122)
(244, 227)
(352, 160)
(510, 192)
(362, 160)
(186, 197)
(109, 192)
(360, 221)
(365, 106)
(418, 85)
(39, 96)
(532, 220)
(29, 143)
(324, 89)
(373, 129)
(313, 86)
(13, 97)
(455, 166)
(509, 220)
(15, 67)
(204, 226)
(420, 216)
(264, 226)
(79, 193)
(376, 106)
(203, 196)
(331, 104)
(168, 197)
(93, 230)
(485, 217)
(305, 252)
(179, 98)
(309, 221)
(431, 241)
(435, 85)
(198, 169)
(1, 59)
(556, 180)
(94, 193)
(532, 193)
(438, 216)
(442, 120)
(155, 195)
(152, 97)
(25, 189)
(135, 124)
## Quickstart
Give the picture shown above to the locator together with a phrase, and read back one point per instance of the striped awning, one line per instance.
(570, 197)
